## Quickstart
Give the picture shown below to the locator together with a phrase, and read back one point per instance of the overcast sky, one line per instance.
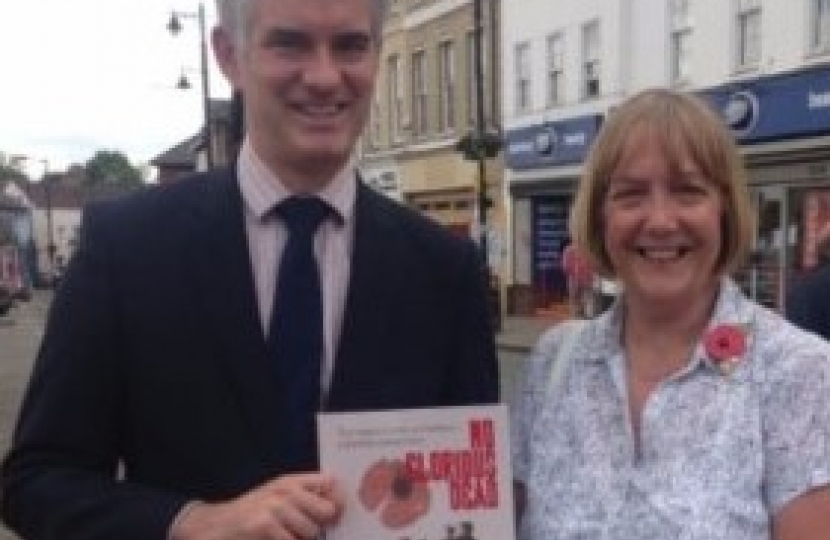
(82, 75)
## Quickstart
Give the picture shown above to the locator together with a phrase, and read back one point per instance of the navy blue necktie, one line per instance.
(295, 335)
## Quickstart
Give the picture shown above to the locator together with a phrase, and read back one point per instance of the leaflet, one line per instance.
(421, 474)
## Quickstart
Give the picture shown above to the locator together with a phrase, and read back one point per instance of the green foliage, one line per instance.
(9, 174)
(109, 167)
(474, 147)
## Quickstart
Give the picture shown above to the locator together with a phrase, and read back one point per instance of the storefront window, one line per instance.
(762, 279)
(549, 235)
(788, 224)
(814, 217)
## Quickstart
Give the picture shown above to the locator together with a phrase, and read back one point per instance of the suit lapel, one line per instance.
(368, 301)
(220, 263)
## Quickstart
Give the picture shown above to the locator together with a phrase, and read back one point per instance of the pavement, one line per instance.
(20, 333)
(514, 342)
(519, 334)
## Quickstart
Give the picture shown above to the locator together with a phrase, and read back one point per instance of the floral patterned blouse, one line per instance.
(719, 453)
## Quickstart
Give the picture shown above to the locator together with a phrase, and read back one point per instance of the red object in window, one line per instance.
(577, 266)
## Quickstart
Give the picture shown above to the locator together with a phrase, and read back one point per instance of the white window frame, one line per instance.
(469, 45)
(680, 38)
(555, 90)
(524, 98)
(819, 26)
(420, 96)
(446, 85)
(748, 38)
(374, 139)
(394, 98)
(591, 63)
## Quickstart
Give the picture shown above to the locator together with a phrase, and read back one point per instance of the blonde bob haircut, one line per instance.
(683, 125)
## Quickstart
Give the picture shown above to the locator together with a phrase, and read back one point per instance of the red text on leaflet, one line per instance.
(470, 473)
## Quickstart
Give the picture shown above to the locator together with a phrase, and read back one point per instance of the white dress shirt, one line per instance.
(266, 233)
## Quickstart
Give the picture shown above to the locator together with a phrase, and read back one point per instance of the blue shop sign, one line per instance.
(551, 143)
(777, 107)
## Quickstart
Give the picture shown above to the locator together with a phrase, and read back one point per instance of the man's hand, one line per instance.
(291, 507)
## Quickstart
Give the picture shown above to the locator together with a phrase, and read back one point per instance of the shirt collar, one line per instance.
(605, 339)
(262, 189)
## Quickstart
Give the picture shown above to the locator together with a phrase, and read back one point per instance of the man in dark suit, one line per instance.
(163, 403)
(808, 301)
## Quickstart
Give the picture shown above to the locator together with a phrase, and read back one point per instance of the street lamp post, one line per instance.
(478, 146)
(50, 236)
(47, 181)
(478, 54)
(175, 26)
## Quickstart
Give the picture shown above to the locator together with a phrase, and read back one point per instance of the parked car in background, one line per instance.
(6, 300)
(12, 285)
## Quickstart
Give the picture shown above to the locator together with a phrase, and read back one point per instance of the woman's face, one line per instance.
(662, 227)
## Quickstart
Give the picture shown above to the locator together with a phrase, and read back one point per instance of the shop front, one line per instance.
(782, 124)
(544, 163)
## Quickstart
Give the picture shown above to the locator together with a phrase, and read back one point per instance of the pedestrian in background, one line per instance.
(686, 410)
(580, 277)
(194, 335)
(808, 302)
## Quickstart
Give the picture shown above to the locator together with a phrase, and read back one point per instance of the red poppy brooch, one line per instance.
(725, 345)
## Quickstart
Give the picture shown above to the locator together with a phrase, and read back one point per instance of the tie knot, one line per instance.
(302, 215)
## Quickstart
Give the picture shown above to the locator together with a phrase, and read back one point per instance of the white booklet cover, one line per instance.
(421, 474)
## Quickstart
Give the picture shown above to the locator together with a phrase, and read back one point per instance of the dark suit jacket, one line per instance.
(808, 301)
(154, 361)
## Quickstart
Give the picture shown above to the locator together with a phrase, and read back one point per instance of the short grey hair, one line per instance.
(234, 17)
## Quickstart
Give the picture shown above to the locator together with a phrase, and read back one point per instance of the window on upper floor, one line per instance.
(446, 86)
(556, 68)
(820, 26)
(419, 93)
(374, 133)
(681, 37)
(394, 98)
(748, 34)
(522, 59)
(590, 61)
(470, 55)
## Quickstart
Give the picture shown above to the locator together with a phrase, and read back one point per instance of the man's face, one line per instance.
(306, 71)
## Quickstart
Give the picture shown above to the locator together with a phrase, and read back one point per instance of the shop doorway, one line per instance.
(763, 279)
(789, 221)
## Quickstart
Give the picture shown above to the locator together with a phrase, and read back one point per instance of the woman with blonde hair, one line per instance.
(686, 411)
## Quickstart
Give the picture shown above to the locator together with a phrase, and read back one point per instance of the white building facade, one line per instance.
(764, 65)
(63, 214)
